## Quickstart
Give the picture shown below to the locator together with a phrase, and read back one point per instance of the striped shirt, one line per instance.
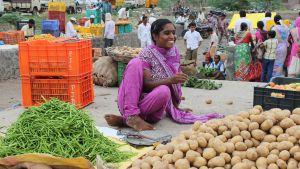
(270, 46)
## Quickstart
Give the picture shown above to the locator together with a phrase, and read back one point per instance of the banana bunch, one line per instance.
(42, 37)
(86, 35)
(96, 25)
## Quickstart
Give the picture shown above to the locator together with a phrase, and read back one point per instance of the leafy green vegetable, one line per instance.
(193, 82)
(207, 72)
(12, 18)
(59, 129)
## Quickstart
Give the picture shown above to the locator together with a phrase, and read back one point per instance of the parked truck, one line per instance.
(135, 3)
(33, 6)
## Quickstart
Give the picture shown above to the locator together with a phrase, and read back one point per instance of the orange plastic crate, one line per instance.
(13, 38)
(77, 90)
(58, 58)
(1, 35)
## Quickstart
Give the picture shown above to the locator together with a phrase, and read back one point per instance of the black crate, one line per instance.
(291, 100)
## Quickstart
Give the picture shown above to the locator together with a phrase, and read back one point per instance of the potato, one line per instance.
(209, 153)
(199, 162)
(255, 142)
(184, 147)
(240, 146)
(193, 144)
(226, 157)
(244, 114)
(235, 160)
(222, 129)
(254, 111)
(168, 158)
(248, 143)
(227, 166)
(177, 155)
(279, 116)
(241, 154)
(261, 163)
(242, 126)
(286, 112)
(292, 139)
(170, 148)
(292, 164)
(294, 149)
(284, 155)
(258, 107)
(240, 165)
(297, 156)
(161, 153)
(266, 125)
(253, 126)
(182, 164)
(137, 163)
(262, 151)
(257, 118)
(269, 138)
(229, 147)
(295, 118)
(208, 136)
(281, 164)
(283, 137)
(202, 142)
(294, 131)
(222, 138)
(273, 146)
(284, 145)
(187, 134)
(191, 155)
(296, 111)
(197, 125)
(276, 130)
(152, 153)
(218, 145)
(145, 165)
(246, 135)
(247, 121)
(251, 154)
(235, 131)
(216, 162)
(249, 163)
(258, 134)
(171, 166)
(227, 134)
(236, 139)
(160, 165)
(154, 159)
(272, 158)
(272, 166)
(286, 123)
(275, 152)
(203, 167)
(148, 160)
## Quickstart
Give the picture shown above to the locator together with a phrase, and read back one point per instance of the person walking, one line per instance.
(109, 31)
(90, 21)
(222, 27)
(282, 35)
(242, 19)
(144, 32)
(293, 61)
(192, 40)
(260, 36)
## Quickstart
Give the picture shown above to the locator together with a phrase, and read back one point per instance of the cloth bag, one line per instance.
(105, 72)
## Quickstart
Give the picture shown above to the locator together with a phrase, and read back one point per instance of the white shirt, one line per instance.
(238, 23)
(70, 31)
(122, 13)
(87, 23)
(192, 39)
(200, 17)
(144, 32)
(27, 31)
(265, 20)
(151, 20)
(180, 19)
(109, 31)
(214, 39)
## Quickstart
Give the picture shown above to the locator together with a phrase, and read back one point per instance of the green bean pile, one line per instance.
(194, 82)
(59, 129)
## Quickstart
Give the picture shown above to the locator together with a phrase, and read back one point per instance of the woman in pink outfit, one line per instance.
(151, 84)
(293, 61)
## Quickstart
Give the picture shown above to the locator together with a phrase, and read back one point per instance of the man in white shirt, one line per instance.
(268, 16)
(123, 13)
(192, 40)
(144, 33)
(89, 22)
(242, 19)
(70, 31)
(109, 31)
(180, 20)
(28, 29)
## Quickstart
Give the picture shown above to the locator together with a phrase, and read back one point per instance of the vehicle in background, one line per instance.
(73, 6)
(32, 6)
(135, 3)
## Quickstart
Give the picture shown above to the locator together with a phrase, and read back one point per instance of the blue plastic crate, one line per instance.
(121, 29)
(55, 33)
(50, 25)
(96, 13)
(128, 28)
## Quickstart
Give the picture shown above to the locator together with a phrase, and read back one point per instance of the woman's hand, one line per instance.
(179, 78)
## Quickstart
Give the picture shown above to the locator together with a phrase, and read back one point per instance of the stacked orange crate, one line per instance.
(58, 69)
(13, 37)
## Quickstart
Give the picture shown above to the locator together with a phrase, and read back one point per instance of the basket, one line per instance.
(60, 16)
(263, 96)
(66, 58)
(50, 25)
(121, 69)
(57, 6)
(77, 90)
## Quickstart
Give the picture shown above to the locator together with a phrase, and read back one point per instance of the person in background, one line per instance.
(200, 17)
(123, 13)
(29, 28)
(242, 57)
(217, 64)
(144, 32)
(260, 36)
(207, 61)
(106, 8)
(282, 35)
(152, 85)
(70, 31)
(90, 21)
(242, 19)
(269, 56)
(152, 18)
(293, 61)
(267, 17)
(109, 31)
(180, 20)
(192, 40)
(222, 27)
(214, 40)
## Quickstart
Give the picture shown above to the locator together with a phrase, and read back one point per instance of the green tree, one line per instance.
(247, 4)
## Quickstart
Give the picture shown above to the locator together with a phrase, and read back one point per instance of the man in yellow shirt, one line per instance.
(29, 28)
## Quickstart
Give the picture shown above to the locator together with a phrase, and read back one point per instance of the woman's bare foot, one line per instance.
(138, 123)
(114, 120)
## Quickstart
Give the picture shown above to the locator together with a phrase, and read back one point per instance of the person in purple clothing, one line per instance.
(151, 84)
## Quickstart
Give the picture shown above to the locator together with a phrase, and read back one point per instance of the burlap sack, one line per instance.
(105, 72)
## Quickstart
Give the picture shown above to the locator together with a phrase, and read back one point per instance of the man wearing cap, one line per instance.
(70, 31)
(89, 22)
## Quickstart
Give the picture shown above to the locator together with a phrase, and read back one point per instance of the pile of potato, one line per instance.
(249, 140)
(125, 51)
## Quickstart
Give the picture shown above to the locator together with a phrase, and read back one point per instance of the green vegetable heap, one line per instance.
(206, 71)
(202, 84)
(59, 129)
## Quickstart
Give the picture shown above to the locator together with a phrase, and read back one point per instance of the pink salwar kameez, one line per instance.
(151, 106)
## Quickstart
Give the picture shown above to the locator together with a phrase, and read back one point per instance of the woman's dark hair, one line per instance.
(260, 24)
(268, 14)
(145, 17)
(209, 29)
(242, 13)
(31, 21)
(157, 26)
(244, 26)
(192, 24)
(272, 34)
(277, 18)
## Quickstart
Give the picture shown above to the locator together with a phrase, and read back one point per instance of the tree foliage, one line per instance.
(247, 4)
